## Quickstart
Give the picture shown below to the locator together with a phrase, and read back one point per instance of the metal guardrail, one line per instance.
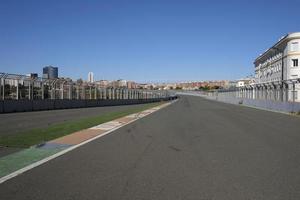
(14, 86)
(283, 91)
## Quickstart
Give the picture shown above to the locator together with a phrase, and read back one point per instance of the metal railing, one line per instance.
(14, 86)
(283, 91)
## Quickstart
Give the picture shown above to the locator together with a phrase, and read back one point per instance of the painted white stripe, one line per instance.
(132, 116)
(38, 163)
(107, 125)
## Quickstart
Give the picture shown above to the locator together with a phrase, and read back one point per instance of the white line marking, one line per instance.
(107, 125)
(132, 116)
(38, 163)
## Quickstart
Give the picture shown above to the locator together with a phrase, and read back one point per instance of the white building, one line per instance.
(244, 82)
(122, 83)
(280, 65)
(91, 77)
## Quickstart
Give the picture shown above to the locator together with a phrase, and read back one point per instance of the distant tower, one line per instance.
(50, 72)
(91, 77)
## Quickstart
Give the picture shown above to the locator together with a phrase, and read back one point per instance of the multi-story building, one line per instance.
(199, 84)
(131, 85)
(280, 65)
(122, 83)
(103, 83)
(231, 84)
(50, 72)
(91, 77)
(244, 82)
(33, 75)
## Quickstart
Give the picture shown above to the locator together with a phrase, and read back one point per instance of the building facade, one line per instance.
(131, 85)
(50, 72)
(245, 82)
(278, 68)
(33, 75)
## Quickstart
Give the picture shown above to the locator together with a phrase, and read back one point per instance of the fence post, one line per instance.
(62, 90)
(104, 93)
(17, 90)
(29, 90)
(275, 92)
(286, 92)
(77, 92)
(1, 88)
(82, 92)
(43, 92)
(96, 92)
(70, 91)
(294, 92)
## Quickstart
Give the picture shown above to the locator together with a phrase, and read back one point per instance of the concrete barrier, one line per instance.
(17, 106)
(286, 106)
(273, 105)
(61, 104)
(77, 103)
(42, 105)
(1, 106)
(91, 103)
(9, 106)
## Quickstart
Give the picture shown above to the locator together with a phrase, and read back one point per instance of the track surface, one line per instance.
(193, 149)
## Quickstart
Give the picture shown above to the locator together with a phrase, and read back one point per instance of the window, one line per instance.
(295, 62)
(294, 46)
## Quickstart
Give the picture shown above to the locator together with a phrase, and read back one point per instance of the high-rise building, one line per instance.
(90, 77)
(50, 72)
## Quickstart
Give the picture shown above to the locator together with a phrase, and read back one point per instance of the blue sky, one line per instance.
(142, 40)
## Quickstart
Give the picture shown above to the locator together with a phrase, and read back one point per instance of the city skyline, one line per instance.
(161, 41)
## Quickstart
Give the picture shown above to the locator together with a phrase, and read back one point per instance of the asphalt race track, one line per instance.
(195, 149)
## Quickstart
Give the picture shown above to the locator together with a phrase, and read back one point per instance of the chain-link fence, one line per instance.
(18, 87)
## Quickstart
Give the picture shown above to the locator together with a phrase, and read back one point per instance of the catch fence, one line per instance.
(21, 87)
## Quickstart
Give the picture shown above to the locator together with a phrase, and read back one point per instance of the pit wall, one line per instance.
(9, 106)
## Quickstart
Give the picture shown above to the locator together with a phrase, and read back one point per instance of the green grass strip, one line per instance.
(39, 135)
(15, 161)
